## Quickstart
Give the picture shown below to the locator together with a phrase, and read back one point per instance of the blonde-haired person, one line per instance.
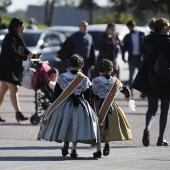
(154, 86)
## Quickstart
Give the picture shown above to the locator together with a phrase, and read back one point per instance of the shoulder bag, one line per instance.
(161, 67)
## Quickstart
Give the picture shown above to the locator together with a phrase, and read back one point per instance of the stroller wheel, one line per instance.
(34, 119)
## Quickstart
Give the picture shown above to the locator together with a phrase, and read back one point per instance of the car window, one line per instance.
(31, 39)
(67, 33)
(51, 40)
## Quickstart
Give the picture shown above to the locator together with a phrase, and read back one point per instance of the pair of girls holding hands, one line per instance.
(85, 111)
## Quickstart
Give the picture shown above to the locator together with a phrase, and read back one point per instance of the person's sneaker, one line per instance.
(162, 142)
(146, 137)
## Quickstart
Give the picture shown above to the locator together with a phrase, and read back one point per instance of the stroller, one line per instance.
(43, 93)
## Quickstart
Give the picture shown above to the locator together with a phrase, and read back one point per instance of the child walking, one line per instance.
(113, 123)
(70, 118)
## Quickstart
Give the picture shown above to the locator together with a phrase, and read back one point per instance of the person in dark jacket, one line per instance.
(133, 44)
(11, 57)
(108, 46)
(80, 43)
(148, 82)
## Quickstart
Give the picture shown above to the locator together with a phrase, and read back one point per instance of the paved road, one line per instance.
(20, 150)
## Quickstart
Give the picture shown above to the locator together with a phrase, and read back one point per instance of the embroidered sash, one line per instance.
(64, 95)
(107, 102)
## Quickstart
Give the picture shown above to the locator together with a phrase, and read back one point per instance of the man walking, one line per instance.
(80, 43)
(133, 44)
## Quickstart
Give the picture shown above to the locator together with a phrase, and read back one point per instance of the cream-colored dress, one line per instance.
(69, 123)
(116, 127)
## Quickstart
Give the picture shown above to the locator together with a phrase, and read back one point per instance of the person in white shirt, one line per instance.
(133, 44)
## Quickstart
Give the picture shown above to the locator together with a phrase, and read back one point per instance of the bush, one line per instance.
(114, 17)
(6, 20)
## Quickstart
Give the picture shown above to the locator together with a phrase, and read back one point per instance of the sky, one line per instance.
(22, 4)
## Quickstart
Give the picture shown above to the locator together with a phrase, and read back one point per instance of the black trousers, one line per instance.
(151, 113)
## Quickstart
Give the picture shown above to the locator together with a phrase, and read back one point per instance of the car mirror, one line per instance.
(44, 45)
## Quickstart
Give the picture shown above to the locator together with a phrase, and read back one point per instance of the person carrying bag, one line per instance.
(153, 77)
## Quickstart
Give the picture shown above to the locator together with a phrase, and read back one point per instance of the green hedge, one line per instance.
(7, 19)
(114, 17)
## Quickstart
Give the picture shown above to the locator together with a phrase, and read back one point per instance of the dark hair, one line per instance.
(158, 24)
(76, 61)
(151, 23)
(131, 23)
(53, 70)
(14, 24)
(105, 66)
(110, 25)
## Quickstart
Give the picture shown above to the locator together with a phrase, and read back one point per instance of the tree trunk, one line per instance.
(49, 9)
(51, 12)
(46, 12)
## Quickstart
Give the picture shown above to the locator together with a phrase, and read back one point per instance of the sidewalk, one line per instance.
(42, 155)
(19, 149)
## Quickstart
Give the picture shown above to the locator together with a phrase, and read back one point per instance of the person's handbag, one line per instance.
(161, 67)
(27, 78)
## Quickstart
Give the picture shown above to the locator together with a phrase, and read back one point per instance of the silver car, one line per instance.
(47, 43)
(66, 30)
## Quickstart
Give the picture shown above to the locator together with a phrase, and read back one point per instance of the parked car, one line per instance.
(47, 43)
(66, 30)
(97, 30)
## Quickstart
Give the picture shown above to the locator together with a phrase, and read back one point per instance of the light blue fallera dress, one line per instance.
(70, 123)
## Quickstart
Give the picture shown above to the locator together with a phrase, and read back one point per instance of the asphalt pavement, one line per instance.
(19, 149)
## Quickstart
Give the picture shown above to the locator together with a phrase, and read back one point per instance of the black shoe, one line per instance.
(162, 142)
(106, 150)
(146, 138)
(74, 154)
(2, 120)
(97, 154)
(65, 149)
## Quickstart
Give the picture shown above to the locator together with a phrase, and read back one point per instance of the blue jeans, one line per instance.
(134, 62)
